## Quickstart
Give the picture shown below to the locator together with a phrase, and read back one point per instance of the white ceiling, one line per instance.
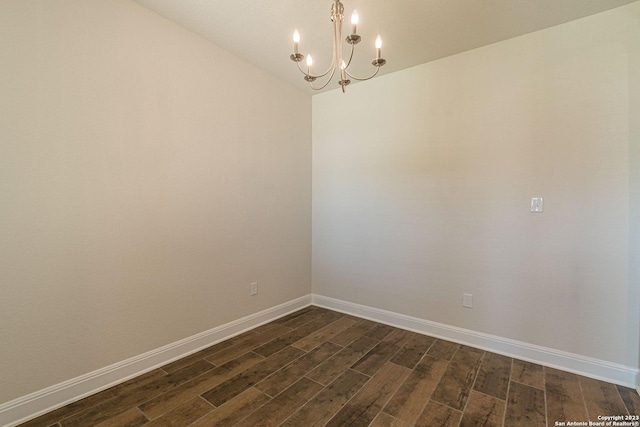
(413, 31)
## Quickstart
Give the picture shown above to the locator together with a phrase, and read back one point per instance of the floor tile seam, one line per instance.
(139, 411)
(243, 354)
(450, 358)
(255, 410)
(119, 411)
(344, 405)
(425, 354)
(148, 417)
(253, 384)
(273, 340)
(301, 312)
(448, 361)
(506, 405)
(68, 416)
(394, 391)
(317, 345)
(384, 405)
(306, 323)
(258, 335)
(247, 415)
(472, 388)
(584, 400)
(59, 420)
(396, 418)
(250, 413)
(248, 349)
(304, 403)
(387, 360)
(376, 338)
(505, 400)
(204, 356)
(324, 387)
(277, 370)
(374, 374)
(168, 391)
(511, 379)
(304, 375)
(444, 404)
(400, 366)
(213, 408)
(338, 376)
(624, 402)
(350, 342)
(430, 400)
(427, 399)
(265, 393)
(400, 347)
(283, 320)
(617, 393)
(234, 376)
(331, 323)
(490, 395)
(311, 379)
(544, 391)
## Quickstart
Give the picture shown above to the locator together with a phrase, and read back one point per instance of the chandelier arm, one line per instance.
(353, 48)
(315, 76)
(367, 78)
(326, 83)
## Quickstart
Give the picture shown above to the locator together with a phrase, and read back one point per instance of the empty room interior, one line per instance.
(190, 234)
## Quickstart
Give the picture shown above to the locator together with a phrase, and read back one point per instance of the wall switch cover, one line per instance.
(537, 204)
(467, 300)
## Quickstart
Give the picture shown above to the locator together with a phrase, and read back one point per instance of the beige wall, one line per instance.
(422, 181)
(146, 178)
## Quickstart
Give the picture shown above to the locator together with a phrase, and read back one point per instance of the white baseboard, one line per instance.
(586, 366)
(35, 404)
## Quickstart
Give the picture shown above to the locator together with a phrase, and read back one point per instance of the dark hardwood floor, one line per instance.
(317, 367)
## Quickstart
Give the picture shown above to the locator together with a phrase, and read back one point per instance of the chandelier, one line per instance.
(337, 16)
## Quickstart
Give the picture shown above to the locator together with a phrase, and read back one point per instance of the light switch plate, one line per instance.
(467, 300)
(537, 204)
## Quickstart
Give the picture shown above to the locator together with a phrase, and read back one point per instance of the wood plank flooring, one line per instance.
(316, 367)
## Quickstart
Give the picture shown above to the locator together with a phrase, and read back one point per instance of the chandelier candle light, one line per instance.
(337, 16)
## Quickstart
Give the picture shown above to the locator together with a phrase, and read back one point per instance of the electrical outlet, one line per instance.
(467, 300)
(254, 288)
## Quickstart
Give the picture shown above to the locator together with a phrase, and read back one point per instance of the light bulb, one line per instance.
(309, 61)
(378, 42)
(296, 42)
(354, 17)
(354, 22)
